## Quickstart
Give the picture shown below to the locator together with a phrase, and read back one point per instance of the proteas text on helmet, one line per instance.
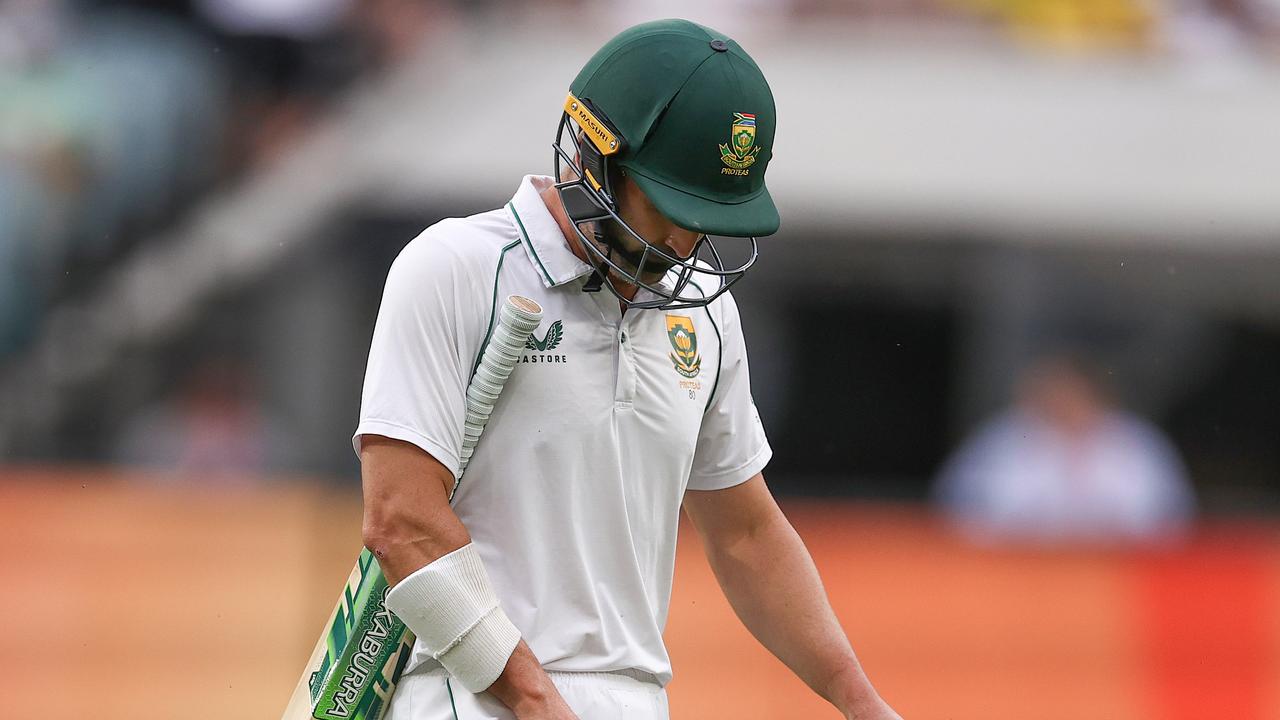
(740, 152)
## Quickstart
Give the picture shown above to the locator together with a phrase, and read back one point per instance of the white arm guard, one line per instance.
(451, 607)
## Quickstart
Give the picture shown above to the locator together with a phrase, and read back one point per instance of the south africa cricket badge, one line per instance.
(684, 345)
(741, 151)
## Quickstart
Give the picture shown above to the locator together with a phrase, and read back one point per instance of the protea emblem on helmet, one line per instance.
(684, 345)
(740, 153)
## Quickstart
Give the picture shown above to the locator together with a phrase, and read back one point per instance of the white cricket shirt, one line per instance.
(574, 491)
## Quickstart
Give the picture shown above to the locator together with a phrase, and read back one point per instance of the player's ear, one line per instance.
(567, 172)
(618, 179)
(626, 193)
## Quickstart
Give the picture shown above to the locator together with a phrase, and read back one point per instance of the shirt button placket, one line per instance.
(625, 392)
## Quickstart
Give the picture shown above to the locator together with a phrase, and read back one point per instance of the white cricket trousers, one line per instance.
(433, 695)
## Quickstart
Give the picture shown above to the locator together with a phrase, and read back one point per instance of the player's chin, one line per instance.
(653, 272)
(651, 280)
(651, 275)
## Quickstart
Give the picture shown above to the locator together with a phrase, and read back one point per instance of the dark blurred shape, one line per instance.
(863, 394)
(1066, 464)
(1228, 426)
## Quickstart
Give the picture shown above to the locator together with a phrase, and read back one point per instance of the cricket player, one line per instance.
(539, 587)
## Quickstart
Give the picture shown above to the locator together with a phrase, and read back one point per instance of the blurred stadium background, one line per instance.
(199, 200)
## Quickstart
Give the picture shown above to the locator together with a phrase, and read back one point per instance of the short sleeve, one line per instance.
(732, 446)
(420, 358)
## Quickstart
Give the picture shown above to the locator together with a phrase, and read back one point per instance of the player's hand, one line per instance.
(555, 708)
(875, 710)
(527, 691)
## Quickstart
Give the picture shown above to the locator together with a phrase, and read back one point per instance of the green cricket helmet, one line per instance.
(684, 112)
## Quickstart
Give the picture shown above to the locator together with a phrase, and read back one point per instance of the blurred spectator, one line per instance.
(213, 424)
(1065, 464)
(115, 114)
(106, 121)
(1207, 32)
(41, 167)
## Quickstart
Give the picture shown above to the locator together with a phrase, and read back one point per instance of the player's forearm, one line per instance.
(772, 584)
(404, 548)
(409, 525)
(408, 522)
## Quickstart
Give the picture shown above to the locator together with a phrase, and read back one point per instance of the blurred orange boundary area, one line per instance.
(132, 595)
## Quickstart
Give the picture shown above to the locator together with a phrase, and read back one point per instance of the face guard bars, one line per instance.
(588, 200)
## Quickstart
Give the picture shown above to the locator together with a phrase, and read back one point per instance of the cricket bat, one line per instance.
(363, 649)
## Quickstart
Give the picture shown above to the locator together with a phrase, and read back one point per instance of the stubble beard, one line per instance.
(614, 246)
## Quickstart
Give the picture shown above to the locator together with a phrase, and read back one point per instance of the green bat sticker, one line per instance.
(368, 648)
